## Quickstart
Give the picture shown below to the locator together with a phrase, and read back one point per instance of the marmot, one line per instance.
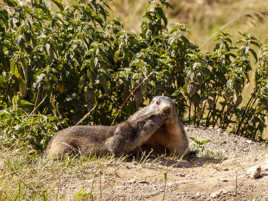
(154, 125)
(171, 135)
(119, 139)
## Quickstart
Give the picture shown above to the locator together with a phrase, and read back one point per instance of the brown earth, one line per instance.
(216, 173)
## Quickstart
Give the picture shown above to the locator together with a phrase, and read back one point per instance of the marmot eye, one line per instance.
(158, 102)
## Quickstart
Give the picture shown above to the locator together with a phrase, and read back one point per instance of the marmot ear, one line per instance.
(140, 124)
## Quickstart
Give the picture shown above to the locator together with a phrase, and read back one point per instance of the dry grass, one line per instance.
(31, 177)
(205, 17)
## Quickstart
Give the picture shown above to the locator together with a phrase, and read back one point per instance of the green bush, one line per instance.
(19, 128)
(70, 61)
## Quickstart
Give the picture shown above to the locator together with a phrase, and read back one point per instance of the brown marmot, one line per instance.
(119, 139)
(154, 125)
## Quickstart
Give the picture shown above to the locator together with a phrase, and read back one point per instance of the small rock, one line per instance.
(219, 130)
(143, 182)
(198, 194)
(182, 175)
(218, 193)
(224, 180)
(132, 181)
(254, 172)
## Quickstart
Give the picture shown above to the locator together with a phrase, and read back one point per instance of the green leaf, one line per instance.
(11, 3)
(4, 16)
(116, 55)
(14, 69)
(58, 4)
(254, 54)
(25, 102)
(199, 142)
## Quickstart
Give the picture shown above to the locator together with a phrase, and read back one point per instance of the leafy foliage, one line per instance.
(65, 63)
(22, 129)
(199, 143)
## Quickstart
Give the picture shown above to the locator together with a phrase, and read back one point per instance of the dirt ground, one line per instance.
(218, 172)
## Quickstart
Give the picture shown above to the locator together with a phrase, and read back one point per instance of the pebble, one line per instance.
(224, 180)
(218, 193)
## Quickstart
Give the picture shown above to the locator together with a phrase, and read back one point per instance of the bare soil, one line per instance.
(216, 173)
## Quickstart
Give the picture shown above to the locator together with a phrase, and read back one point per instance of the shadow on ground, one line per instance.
(190, 161)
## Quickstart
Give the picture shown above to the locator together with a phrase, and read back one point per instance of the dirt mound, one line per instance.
(223, 142)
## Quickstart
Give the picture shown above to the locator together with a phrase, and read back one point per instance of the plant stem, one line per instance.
(245, 112)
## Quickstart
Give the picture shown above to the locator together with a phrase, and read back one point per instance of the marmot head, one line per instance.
(164, 104)
(159, 105)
